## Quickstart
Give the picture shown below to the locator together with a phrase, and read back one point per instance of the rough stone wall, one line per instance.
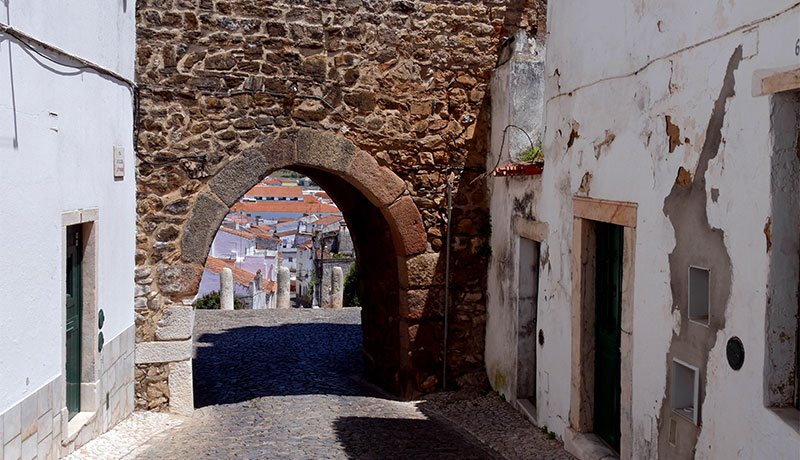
(405, 81)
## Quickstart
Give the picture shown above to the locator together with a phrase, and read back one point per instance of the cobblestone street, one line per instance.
(286, 385)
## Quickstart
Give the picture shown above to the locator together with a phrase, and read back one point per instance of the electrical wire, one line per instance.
(26, 41)
(83, 64)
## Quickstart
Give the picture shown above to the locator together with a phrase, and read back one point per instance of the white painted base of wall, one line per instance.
(38, 427)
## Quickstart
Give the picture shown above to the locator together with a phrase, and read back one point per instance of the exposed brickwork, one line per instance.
(381, 70)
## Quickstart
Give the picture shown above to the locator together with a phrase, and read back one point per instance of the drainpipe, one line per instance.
(447, 272)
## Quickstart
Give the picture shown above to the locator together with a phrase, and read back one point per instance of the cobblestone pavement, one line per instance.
(130, 436)
(284, 384)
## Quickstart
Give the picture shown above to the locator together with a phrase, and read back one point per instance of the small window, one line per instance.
(685, 381)
(699, 293)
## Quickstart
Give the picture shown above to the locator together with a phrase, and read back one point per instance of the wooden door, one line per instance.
(608, 298)
(74, 311)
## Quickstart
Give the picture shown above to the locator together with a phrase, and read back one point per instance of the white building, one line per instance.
(67, 204)
(643, 288)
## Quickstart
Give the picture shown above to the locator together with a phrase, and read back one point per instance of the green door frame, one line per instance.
(74, 307)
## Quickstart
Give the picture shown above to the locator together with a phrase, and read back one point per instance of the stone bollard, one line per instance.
(337, 287)
(284, 288)
(226, 289)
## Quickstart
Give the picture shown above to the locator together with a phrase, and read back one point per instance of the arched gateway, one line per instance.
(387, 230)
(380, 102)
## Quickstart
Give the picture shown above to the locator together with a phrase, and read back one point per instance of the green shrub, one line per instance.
(210, 301)
(351, 287)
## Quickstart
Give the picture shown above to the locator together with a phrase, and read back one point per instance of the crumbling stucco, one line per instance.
(697, 244)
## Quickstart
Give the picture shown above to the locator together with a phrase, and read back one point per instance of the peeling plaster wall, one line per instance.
(608, 93)
(517, 92)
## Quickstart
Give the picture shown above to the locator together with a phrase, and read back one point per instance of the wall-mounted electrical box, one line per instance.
(699, 294)
(685, 385)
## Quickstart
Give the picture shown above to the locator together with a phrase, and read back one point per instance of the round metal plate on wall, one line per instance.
(735, 353)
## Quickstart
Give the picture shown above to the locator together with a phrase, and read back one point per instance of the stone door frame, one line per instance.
(578, 438)
(307, 149)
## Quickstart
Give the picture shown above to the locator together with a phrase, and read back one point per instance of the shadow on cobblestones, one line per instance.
(288, 384)
(385, 438)
(244, 363)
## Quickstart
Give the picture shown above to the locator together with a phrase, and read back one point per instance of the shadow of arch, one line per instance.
(384, 222)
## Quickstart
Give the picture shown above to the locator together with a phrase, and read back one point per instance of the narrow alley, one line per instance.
(287, 384)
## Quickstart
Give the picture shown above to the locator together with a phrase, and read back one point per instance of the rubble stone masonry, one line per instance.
(225, 84)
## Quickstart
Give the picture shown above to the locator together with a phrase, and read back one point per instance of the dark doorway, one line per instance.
(608, 297)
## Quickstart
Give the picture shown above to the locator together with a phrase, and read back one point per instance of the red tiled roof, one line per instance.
(322, 195)
(263, 231)
(269, 190)
(271, 181)
(327, 220)
(285, 206)
(310, 199)
(286, 233)
(242, 277)
(236, 217)
(239, 233)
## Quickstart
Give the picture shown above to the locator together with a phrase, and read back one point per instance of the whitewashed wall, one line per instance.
(620, 67)
(58, 127)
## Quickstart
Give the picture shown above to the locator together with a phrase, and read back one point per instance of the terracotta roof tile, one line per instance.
(269, 190)
(285, 207)
(327, 220)
(239, 233)
(240, 276)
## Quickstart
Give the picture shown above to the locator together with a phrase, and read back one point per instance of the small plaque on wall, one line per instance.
(119, 162)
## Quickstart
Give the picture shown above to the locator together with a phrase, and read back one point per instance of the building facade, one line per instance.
(642, 294)
(68, 207)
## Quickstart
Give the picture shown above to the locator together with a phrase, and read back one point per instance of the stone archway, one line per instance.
(389, 238)
(222, 83)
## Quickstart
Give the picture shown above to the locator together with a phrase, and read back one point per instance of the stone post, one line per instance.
(284, 288)
(337, 287)
(226, 289)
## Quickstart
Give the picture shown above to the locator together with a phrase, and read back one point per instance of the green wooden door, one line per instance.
(74, 307)
(608, 296)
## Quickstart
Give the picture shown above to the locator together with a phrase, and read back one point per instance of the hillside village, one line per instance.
(281, 222)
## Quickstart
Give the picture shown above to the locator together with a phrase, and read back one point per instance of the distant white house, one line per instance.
(68, 212)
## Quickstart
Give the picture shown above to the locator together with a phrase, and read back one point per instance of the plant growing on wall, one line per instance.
(528, 162)
(351, 284)
(532, 155)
